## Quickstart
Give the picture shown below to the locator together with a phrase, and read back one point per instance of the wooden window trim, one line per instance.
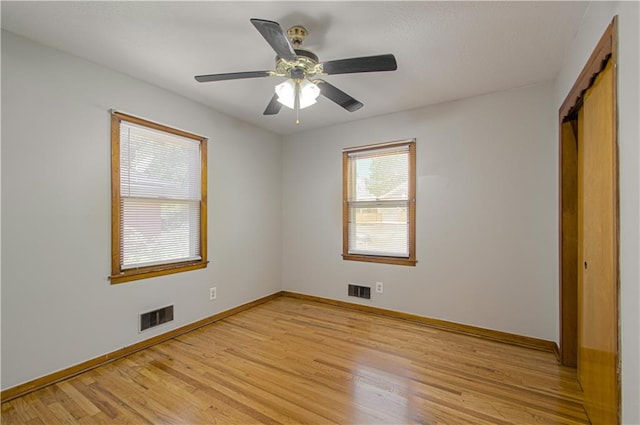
(117, 274)
(402, 261)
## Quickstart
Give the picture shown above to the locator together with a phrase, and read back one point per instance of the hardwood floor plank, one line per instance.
(84, 403)
(292, 361)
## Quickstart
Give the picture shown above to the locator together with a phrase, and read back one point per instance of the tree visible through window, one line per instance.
(379, 203)
(158, 199)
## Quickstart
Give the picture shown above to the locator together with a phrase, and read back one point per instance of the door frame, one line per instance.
(605, 50)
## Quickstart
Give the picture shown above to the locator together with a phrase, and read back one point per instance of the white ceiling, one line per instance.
(445, 50)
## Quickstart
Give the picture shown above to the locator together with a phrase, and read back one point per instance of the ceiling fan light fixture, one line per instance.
(286, 92)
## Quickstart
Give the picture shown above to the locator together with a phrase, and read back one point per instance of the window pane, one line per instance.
(383, 176)
(156, 231)
(158, 164)
(379, 231)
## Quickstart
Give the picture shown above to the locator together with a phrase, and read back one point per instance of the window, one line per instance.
(378, 222)
(159, 199)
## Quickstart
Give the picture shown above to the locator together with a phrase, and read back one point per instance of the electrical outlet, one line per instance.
(379, 287)
(212, 293)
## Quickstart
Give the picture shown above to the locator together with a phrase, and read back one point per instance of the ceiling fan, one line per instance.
(303, 71)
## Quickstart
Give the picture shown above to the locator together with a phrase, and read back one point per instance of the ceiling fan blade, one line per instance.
(364, 64)
(338, 96)
(273, 107)
(275, 36)
(232, 76)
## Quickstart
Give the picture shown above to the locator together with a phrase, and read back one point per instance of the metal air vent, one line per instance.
(359, 291)
(156, 317)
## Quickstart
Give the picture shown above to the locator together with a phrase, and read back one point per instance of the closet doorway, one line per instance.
(589, 288)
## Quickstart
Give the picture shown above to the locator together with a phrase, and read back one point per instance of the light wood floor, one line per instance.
(295, 361)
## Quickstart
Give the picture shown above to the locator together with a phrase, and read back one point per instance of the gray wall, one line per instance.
(595, 21)
(58, 307)
(486, 213)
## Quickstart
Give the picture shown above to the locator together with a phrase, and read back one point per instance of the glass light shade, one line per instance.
(286, 92)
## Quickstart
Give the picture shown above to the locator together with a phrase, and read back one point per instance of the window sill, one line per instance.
(383, 260)
(144, 273)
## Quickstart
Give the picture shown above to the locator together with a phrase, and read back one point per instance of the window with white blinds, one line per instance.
(158, 199)
(379, 203)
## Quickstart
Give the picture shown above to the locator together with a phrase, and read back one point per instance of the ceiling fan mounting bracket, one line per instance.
(297, 34)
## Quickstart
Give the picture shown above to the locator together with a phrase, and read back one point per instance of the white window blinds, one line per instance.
(160, 195)
(378, 201)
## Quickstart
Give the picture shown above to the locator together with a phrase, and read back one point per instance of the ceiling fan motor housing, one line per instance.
(306, 64)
